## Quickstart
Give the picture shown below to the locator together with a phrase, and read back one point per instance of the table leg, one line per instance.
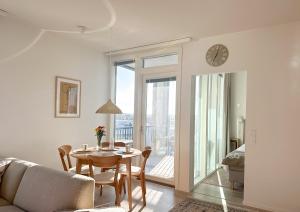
(129, 192)
(78, 166)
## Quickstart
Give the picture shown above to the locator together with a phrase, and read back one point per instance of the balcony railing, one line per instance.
(124, 133)
(161, 144)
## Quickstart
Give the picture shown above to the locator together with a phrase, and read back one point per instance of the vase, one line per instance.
(99, 138)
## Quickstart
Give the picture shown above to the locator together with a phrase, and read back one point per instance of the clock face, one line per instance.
(217, 55)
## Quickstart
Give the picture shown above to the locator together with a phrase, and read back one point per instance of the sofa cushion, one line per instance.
(3, 202)
(4, 163)
(10, 208)
(47, 190)
(12, 178)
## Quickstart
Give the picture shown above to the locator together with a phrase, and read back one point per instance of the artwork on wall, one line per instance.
(67, 99)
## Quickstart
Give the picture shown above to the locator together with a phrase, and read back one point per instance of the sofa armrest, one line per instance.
(110, 209)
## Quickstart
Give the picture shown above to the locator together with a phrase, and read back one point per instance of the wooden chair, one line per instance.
(137, 172)
(117, 144)
(64, 153)
(106, 178)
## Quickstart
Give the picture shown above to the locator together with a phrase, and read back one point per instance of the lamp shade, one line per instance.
(110, 108)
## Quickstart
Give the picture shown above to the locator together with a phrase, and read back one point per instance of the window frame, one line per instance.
(158, 56)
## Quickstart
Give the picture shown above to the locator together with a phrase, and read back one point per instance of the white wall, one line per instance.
(271, 57)
(238, 91)
(28, 129)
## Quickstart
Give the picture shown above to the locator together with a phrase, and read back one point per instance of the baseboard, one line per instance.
(160, 183)
(182, 193)
(263, 206)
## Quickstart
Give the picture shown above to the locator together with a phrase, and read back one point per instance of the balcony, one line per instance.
(161, 162)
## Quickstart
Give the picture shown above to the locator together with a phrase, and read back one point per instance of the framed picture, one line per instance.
(67, 98)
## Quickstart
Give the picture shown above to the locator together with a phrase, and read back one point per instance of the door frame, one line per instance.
(175, 70)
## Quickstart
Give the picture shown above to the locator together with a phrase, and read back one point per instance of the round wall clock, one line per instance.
(217, 55)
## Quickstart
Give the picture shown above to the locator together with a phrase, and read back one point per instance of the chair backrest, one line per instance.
(105, 144)
(64, 152)
(146, 153)
(104, 162)
(117, 144)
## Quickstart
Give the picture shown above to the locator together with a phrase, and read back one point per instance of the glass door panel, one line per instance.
(159, 126)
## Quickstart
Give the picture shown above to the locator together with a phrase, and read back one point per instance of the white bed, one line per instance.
(236, 163)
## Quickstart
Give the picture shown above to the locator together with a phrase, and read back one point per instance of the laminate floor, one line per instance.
(162, 198)
(159, 198)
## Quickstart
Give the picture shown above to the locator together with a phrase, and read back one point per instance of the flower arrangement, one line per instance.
(100, 132)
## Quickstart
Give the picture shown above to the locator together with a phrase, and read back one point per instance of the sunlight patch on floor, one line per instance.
(222, 193)
(152, 196)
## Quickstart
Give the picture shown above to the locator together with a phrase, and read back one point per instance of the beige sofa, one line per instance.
(26, 186)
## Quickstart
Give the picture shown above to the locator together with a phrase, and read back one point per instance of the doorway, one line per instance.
(152, 107)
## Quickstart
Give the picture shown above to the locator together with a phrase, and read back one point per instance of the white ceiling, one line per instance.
(141, 22)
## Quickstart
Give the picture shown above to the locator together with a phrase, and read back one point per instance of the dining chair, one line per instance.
(64, 153)
(106, 178)
(116, 144)
(137, 172)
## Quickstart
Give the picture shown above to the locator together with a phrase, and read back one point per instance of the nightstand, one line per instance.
(234, 143)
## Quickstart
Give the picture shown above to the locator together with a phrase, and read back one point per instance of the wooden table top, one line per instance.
(80, 154)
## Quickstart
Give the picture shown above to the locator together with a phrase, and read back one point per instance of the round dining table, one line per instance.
(82, 155)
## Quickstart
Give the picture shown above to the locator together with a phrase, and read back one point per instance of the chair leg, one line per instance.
(143, 186)
(124, 187)
(117, 201)
(101, 190)
(121, 182)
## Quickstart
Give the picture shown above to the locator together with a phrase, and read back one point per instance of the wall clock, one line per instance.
(217, 55)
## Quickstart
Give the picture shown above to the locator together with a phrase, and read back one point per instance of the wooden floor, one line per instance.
(162, 198)
(159, 198)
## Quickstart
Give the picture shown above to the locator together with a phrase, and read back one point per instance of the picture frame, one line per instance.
(67, 97)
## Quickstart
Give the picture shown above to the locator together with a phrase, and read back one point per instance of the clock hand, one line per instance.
(216, 54)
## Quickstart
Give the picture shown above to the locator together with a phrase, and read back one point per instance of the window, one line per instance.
(171, 59)
(125, 81)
